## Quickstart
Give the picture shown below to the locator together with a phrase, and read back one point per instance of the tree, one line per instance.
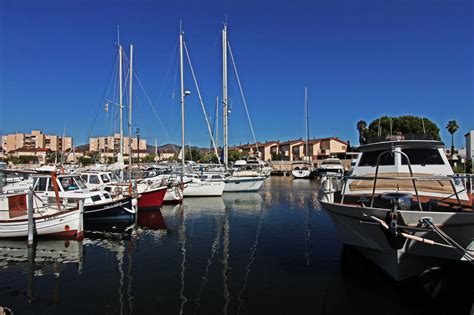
(391, 126)
(85, 160)
(362, 128)
(194, 154)
(149, 158)
(209, 158)
(452, 127)
(25, 159)
(235, 155)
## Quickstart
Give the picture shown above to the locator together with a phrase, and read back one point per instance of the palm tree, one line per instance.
(452, 127)
(362, 128)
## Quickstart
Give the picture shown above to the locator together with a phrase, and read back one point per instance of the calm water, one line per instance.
(273, 252)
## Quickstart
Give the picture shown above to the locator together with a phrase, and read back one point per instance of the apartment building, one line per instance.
(295, 150)
(112, 144)
(36, 140)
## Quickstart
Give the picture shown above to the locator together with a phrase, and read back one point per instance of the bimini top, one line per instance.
(389, 144)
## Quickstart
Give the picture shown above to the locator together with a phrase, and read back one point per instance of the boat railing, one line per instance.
(467, 180)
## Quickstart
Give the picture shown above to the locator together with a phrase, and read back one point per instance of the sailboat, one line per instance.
(195, 187)
(233, 183)
(304, 169)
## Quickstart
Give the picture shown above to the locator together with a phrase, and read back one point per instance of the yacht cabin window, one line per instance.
(105, 178)
(84, 177)
(40, 184)
(422, 157)
(68, 183)
(94, 179)
(80, 182)
(369, 158)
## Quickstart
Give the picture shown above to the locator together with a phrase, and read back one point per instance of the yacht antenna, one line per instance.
(423, 124)
(390, 119)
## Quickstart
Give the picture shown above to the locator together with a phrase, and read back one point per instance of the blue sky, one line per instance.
(359, 59)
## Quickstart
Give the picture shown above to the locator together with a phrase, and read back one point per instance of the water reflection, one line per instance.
(151, 219)
(120, 246)
(42, 259)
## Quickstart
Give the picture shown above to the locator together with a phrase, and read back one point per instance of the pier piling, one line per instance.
(31, 222)
(80, 229)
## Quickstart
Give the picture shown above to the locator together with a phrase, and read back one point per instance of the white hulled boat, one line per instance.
(302, 169)
(331, 166)
(98, 205)
(403, 208)
(53, 217)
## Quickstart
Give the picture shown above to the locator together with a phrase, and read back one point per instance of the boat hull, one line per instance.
(116, 210)
(173, 196)
(204, 189)
(301, 173)
(409, 257)
(66, 224)
(243, 184)
(152, 198)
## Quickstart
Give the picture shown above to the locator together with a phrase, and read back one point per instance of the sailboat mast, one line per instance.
(216, 124)
(306, 120)
(130, 155)
(182, 93)
(224, 94)
(62, 147)
(121, 106)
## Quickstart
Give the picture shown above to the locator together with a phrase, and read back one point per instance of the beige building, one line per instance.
(35, 140)
(295, 150)
(166, 155)
(265, 149)
(40, 153)
(112, 144)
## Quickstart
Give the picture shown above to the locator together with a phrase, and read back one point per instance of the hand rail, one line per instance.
(411, 174)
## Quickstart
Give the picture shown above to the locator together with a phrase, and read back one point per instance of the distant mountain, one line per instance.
(169, 147)
(82, 148)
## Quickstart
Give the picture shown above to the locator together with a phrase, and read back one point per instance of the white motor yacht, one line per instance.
(403, 208)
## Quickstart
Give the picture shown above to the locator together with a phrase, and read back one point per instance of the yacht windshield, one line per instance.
(331, 163)
(422, 157)
(68, 183)
(80, 182)
(370, 158)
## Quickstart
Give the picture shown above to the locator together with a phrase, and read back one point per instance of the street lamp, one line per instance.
(138, 144)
